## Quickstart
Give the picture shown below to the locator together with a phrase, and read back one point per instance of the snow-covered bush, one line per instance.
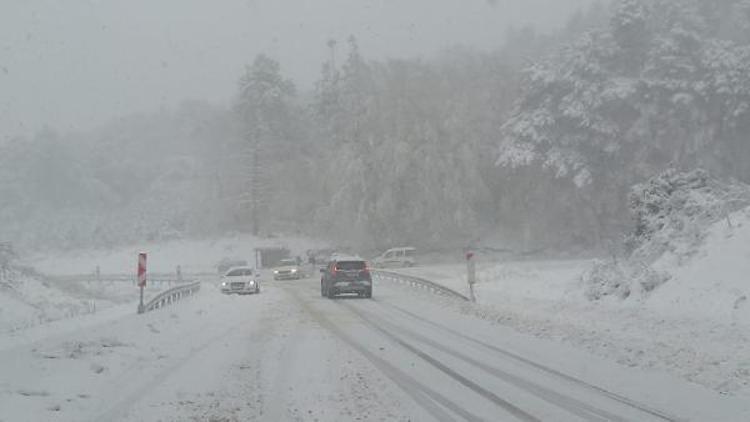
(7, 256)
(662, 83)
(621, 280)
(606, 278)
(672, 212)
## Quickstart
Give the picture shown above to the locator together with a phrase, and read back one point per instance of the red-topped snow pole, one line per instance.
(141, 279)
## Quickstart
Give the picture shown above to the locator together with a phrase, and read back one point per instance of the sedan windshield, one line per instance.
(240, 272)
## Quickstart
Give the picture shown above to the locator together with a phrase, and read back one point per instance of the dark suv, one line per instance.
(345, 275)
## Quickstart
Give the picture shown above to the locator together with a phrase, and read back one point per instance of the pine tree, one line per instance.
(263, 107)
(656, 87)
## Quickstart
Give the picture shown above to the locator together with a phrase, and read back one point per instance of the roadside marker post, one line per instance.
(141, 279)
(471, 274)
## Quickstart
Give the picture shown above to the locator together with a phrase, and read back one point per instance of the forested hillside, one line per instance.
(664, 84)
(533, 146)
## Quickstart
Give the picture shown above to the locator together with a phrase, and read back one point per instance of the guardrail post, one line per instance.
(141, 307)
(471, 274)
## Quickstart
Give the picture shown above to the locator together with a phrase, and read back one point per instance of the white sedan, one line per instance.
(287, 269)
(240, 280)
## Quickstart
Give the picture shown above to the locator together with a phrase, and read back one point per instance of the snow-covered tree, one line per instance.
(657, 86)
(263, 107)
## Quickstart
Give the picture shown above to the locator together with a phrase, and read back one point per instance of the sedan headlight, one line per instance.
(224, 283)
(275, 271)
(294, 270)
(251, 282)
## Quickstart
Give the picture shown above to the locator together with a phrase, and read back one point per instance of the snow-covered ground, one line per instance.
(30, 300)
(714, 284)
(288, 354)
(696, 325)
(512, 280)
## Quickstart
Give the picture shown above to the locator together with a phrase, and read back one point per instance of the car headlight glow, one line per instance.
(252, 282)
(223, 283)
(294, 270)
(275, 271)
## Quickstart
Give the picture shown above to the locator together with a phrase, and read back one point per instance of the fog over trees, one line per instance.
(533, 146)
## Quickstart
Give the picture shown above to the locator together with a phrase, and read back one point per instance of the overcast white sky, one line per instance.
(74, 64)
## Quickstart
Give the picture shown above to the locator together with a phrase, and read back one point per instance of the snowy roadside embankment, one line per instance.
(25, 302)
(553, 280)
(29, 300)
(695, 324)
(715, 284)
(674, 215)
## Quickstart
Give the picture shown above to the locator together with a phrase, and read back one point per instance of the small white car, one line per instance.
(397, 257)
(240, 280)
(287, 269)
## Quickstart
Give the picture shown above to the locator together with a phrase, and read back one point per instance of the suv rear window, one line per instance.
(350, 265)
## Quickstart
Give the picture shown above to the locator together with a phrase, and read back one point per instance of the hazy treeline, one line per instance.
(533, 145)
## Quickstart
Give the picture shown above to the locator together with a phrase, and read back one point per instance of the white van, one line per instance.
(397, 257)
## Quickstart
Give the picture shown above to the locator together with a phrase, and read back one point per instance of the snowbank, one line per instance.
(694, 325)
(677, 220)
(715, 283)
(28, 300)
(555, 280)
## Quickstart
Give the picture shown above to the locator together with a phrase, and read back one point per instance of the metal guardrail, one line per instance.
(170, 296)
(419, 282)
(153, 278)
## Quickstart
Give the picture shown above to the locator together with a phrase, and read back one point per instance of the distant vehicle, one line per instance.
(269, 257)
(397, 258)
(345, 274)
(287, 269)
(240, 280)
(225, 264)
(319, 257)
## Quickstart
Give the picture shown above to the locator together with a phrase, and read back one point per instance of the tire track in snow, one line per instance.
(431, 401)
(574, 406)
(611, 395)
(120, 408)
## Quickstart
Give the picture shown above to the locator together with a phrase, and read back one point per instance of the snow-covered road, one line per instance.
(289, 354)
